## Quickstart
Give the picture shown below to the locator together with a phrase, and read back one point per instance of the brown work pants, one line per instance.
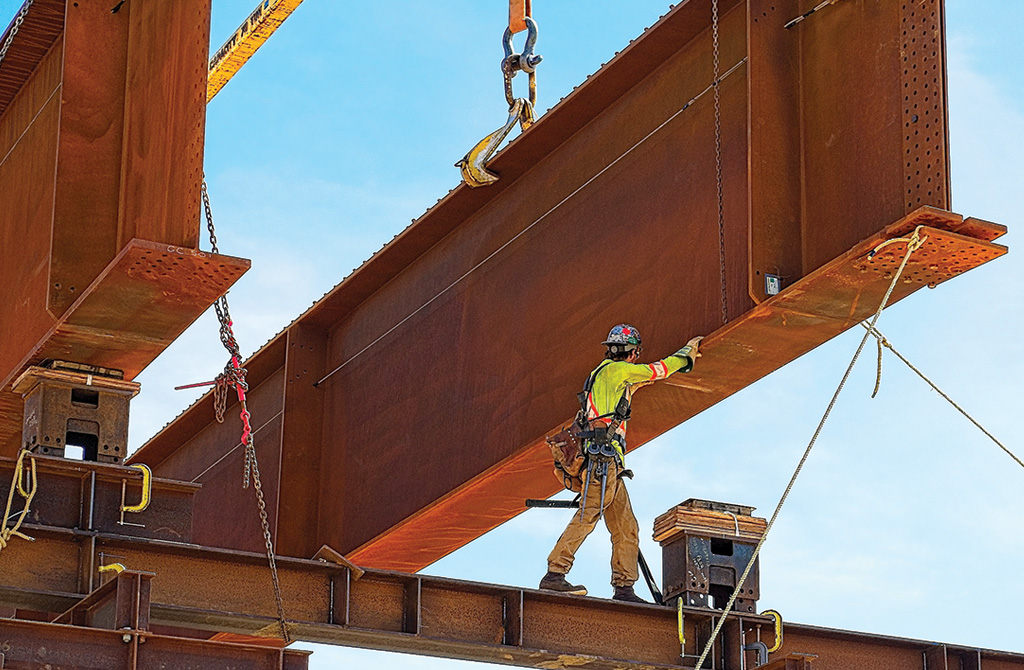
(621, 523)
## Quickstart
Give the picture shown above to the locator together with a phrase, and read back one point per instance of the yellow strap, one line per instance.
(28, 494)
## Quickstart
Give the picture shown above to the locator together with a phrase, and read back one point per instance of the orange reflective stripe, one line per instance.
(518, 10)
(658, 370)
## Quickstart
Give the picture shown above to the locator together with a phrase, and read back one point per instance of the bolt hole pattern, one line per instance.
(923, 117)
(934, 263)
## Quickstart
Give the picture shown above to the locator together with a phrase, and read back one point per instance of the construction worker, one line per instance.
(605, 404)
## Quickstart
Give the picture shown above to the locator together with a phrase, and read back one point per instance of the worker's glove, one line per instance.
(693, 345)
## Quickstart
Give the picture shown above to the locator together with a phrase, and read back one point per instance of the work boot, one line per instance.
(555, 581)
(626, 594)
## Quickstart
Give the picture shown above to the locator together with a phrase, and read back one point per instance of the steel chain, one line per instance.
(220, 397)
(234, 375)
(18, 20)
(718, 159)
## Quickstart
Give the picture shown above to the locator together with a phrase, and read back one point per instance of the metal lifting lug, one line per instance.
(473, 164)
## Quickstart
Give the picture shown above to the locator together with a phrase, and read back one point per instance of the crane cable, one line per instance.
(914, 242)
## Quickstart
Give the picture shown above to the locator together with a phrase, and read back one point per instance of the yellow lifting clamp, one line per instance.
(474, 164)
(147, 493)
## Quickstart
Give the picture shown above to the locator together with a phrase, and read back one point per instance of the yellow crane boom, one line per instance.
(243, 43)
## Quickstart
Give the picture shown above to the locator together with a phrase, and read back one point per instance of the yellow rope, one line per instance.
(28, 493)
(914, 242)
(882, 341)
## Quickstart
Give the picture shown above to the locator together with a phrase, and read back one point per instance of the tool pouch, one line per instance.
(567, 450)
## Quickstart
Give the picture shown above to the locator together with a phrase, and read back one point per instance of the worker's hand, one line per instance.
(694, 345)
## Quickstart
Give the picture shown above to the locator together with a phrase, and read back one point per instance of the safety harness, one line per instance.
(598, 446)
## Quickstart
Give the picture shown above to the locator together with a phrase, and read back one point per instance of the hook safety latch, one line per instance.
(147, 493)
(474, 164)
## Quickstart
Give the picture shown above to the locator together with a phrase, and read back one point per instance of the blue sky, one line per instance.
(906, 520)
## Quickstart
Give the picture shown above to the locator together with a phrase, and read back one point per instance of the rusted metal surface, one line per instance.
(137, 306)
(33, 644)
(849, 650)
(228, 591)
(28, 158)
(101, 155)
(42, 26)
(813, 107)
(175, 585)
(87, 496)
(90, 142)
(123, 602)
(822, 305)
(441, 381)
(61, 405)
(165, 98)
(705, 547)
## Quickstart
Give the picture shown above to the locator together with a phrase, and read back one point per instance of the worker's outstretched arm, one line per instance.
(681, 361)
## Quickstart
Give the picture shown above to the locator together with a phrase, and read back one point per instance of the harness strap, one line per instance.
(620, 414)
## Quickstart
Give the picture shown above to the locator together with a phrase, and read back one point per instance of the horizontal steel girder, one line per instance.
(34, 644)
(229, 591)
(403, 415)
(828, 301)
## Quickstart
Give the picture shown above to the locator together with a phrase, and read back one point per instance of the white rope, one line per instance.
(882, 341)
(914, 242)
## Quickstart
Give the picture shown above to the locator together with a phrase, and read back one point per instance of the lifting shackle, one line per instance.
(527, 62)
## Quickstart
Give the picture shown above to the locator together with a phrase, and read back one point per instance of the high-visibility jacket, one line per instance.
(615, 378)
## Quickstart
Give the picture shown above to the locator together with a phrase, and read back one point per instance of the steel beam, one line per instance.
(34, 644)
(101, 154)
(229, 591)
(420, 389)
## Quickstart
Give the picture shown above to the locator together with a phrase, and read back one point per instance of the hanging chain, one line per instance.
(234, 376)
(718, 160)
(14, 29)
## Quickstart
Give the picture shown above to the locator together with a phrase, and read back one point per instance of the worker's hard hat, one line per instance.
(625, 336)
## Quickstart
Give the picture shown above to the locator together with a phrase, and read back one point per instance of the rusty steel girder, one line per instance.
(403, 415)
(102, 123)
(57, 603)
(174, 588)
(110, 628)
